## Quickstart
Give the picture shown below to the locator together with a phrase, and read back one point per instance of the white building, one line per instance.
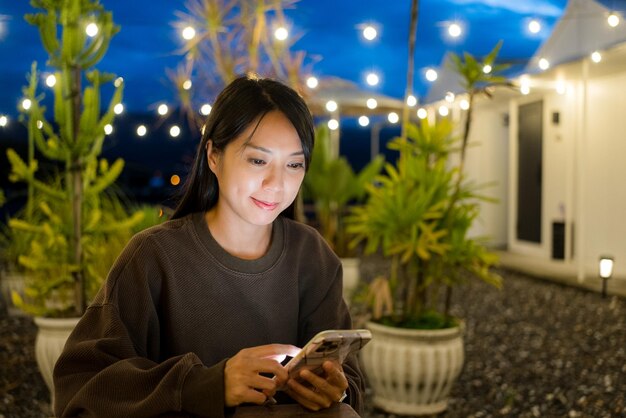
(558, 154)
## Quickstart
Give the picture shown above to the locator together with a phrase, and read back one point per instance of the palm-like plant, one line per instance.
(407, 217)
(332, 185)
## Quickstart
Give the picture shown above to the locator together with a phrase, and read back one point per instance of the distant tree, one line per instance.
(233, 37)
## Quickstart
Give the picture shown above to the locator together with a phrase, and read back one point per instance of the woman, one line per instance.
(197, 312)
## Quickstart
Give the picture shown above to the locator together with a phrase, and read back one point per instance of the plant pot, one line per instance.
(350, 276)
(410, 371)
(51, 337)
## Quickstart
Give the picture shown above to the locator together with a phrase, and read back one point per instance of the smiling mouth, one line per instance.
(264, 205)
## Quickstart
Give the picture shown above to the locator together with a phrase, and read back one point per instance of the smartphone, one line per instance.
(328, 345)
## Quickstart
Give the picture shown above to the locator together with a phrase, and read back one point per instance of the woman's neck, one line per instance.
(242, 240)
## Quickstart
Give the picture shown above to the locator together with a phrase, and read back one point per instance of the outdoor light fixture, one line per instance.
(364, 121)
(372, 79)
(142, 130)
(108, 129)
(596, 57)
(91, 30)
(331, 105)
(187, 84)
(371, 103)
(333, 124)
(26, 104)
(174, 131)
(487, 68)
(281, 33)
(443, 110)
(605, 270)
(613, 19)
(544, 64)
(312, 82)
(51, 80)
(393, 117)
(450, 97)
(411, 100)
(534, 26)
(370, 33)
(118, 81)
(189, 33)
(422, 113)
(454, 30)
(431, 75)
(205, 109)
(118, 109)
(162, 109)
(3, 121)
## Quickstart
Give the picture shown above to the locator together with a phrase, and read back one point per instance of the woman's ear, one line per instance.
(212, 156)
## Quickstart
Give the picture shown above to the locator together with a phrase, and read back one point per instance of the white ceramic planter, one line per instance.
(51, 338)
(350, 277)
(412, 371)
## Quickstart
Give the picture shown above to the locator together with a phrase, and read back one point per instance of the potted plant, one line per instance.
(332, 185)
(77, 225)
(418, 215)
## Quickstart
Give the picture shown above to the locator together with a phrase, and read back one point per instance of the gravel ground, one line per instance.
(534, 349)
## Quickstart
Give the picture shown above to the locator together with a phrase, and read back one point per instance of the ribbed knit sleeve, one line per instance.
(113, 364)
(322, 307)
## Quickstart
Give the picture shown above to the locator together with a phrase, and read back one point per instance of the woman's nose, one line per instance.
(273, 180)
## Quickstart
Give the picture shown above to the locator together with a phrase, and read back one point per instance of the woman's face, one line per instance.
(259, 176)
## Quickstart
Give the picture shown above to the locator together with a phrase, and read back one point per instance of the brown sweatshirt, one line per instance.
(176, 306)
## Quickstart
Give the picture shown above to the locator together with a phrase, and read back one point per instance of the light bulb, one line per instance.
(364, 121)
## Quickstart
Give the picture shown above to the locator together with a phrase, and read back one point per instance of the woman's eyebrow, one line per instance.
(268, 151)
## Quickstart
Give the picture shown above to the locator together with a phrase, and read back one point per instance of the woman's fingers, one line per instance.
(243, 381)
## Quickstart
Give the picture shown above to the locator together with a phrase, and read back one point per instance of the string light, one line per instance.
(411, 100)
(174, 131)
(371, 103)
(118, 81)
(187, 84)
(454, 30)
(91, 30)
(4, 121)
(118, 109)
(108, 129)
(443, 110)
(26, 104)
(369, 32)
(333, 124)
(534, 26)
(422, 113)
(544, 64)
(51, 80)
(175, 180)
(281, 33)
(464, 104)
(39, 124)
(189, 33)
(141, 130)
(312, 82)
(393, 117)
(372, 79)
(449, 97)
(596, 57)
(431, 75)
(162, 109)
(364, 121)
(331, 105)
(205, 109)
(487, 68)
(613, 19)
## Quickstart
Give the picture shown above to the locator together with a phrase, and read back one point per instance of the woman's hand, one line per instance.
(319, 392)
(243, 381)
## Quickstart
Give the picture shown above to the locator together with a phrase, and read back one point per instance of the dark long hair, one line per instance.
(245, 100)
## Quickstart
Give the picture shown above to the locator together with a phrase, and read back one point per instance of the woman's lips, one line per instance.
(265, 205)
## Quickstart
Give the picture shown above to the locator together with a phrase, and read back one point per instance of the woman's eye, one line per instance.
(256, 161)
(296, 165)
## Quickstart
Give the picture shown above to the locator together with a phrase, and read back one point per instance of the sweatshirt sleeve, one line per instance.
(326, 309)
(111, 365)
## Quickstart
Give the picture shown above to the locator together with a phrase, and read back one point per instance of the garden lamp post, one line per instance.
(605, 271)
